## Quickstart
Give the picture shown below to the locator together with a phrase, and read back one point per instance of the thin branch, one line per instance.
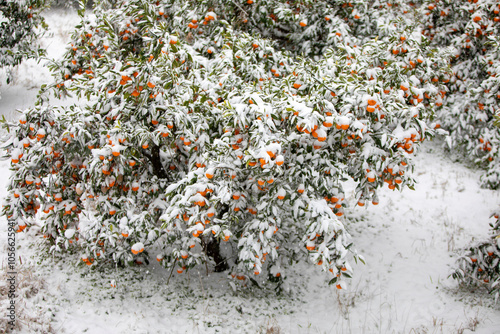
(321, 83)
(171, 271)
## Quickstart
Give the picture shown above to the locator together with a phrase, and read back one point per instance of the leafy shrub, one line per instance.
(19, 21)
(202, 124)
(480, 266)
(472, 96)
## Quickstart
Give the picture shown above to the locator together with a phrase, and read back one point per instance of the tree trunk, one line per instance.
(155, 160)
(213, 250)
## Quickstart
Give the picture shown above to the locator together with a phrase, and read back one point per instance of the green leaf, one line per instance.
(5, 124)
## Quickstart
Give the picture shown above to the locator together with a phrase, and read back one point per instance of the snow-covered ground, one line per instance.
(410, 242)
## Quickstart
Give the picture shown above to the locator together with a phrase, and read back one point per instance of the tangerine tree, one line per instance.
(19, 21)
(469, 109)
(195, 130)
(471, 98)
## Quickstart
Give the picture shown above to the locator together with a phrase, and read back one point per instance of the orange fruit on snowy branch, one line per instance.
(370, 177)
(209, 173)
(210, 16)
(343, 123)
(280, 160)
(137, 248)
(321, 135)
(328, 122)
(310, 246)
(281, 194)
(211, 212)
(184, 254)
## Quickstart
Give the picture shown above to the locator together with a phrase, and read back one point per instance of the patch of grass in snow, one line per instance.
(468, 323)
(472, 296)
(271, 327)
(30, 316)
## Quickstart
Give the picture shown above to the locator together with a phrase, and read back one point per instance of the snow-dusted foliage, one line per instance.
(472, 96)
(20, 21)
(480, 266)
(470, 106)
(199, 124)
